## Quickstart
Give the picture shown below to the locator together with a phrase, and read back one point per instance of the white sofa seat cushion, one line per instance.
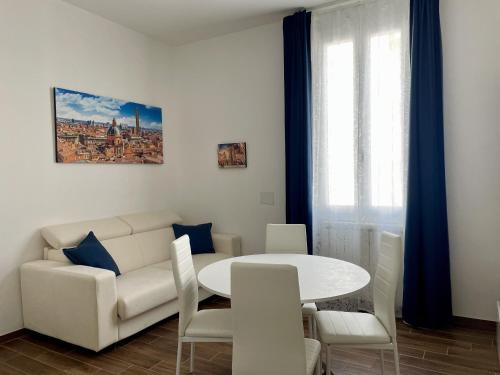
(144, 289)
(167, 265)
(344, 328)
(211, 323)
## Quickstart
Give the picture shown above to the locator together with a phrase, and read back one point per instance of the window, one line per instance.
(386, 121)
(360, 90)
(365, 132)
(340, 95)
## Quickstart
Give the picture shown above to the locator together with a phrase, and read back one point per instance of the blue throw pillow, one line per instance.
(90, 252)
(200, 237)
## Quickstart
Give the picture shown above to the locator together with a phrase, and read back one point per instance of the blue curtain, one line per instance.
(298, 129)
(427, 286)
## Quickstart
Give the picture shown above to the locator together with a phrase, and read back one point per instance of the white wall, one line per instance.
(231, 89)
(47, 43)
(471, 31)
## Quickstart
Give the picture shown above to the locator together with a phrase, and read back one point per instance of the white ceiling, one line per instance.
(181, 21)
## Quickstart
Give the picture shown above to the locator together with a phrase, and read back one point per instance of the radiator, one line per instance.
(358, 244)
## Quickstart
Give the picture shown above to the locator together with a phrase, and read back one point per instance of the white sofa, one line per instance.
(92, 308)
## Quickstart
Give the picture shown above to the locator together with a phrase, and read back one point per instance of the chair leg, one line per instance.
(318, 365)
(179, 355)
(328, 361)
(382, 361)
(396, 358)
(191, 361)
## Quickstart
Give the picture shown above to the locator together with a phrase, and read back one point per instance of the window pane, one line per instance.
(340, 94)
(386, 140)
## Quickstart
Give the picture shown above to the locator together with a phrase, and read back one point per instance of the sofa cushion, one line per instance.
(57, 255)
(90, 252)
(126, 253)
(199, 261)
(143, 289)
(124, 250)
(200, 237)
(132, 252)
(155, 245)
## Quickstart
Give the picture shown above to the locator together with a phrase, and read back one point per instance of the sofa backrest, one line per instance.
(134, 241)
(69, 235)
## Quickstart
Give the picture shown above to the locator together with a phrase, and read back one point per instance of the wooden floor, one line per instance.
(461, 350)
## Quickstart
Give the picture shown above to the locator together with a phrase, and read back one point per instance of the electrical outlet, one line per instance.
(267, 198)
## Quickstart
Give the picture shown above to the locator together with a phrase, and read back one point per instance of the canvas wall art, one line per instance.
(232, 155)
(98, 129)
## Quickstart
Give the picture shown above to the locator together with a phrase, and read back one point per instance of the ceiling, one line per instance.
(182, 21)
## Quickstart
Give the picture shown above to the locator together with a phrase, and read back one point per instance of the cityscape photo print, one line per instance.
(99, 129)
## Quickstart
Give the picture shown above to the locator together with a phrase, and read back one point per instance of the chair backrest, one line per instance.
(268, 333)
(286, 238)
(185, 281)
(385, 283)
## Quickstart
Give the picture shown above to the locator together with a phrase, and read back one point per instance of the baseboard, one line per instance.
(460, 321)
(13, 335)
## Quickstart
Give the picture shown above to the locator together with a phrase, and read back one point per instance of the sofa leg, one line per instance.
(191, 362)
(179, 355)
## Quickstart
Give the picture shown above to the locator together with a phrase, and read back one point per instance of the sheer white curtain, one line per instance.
(361, 75)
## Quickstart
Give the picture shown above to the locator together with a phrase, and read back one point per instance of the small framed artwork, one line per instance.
(232, 155)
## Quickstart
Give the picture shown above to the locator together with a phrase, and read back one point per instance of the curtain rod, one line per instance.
(336, 4)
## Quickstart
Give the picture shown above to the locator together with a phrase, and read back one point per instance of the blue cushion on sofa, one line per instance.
(90, 252)
(200, 237)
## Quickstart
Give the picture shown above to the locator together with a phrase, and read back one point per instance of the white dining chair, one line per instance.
(268, 333)
(368, 331)
(291, 239)
(194, 326)
(286, 239)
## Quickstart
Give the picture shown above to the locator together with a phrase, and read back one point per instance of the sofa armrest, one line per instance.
(76, 304)
(229, 244)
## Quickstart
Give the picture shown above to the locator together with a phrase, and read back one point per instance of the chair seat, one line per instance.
(347, 328)
(313, 350)
(211, 323)
(309, 309)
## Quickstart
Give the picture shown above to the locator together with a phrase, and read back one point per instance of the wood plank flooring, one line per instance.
(461, 350)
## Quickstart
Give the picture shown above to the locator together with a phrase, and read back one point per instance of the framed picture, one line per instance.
(98, 129)
(232, 155)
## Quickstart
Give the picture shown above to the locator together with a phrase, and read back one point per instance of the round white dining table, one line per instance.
(320, 278)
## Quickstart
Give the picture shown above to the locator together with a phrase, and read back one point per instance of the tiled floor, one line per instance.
(461, 350)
